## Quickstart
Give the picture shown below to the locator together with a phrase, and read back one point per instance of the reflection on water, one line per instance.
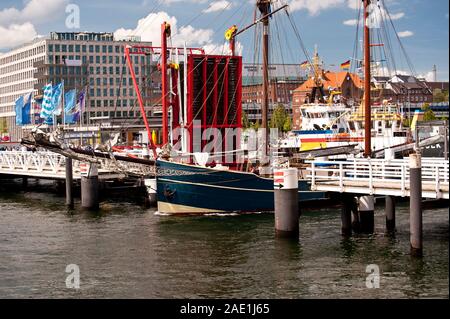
(127, 251)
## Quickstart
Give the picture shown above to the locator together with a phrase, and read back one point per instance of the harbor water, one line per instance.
(127, 251)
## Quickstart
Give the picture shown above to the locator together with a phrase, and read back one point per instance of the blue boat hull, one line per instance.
(189, 189)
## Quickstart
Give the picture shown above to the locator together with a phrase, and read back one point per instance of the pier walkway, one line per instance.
(379, 177)
(49, 165)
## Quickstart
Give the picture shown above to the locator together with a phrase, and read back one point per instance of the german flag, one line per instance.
(345, 65)
(304, 64)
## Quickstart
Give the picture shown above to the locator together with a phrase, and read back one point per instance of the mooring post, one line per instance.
(89, 189)
(150, 185)
(415, 204)
(346, 215)
(286, 203)
(390, 213)
(69, 182)
(366, 207)
(25, 182)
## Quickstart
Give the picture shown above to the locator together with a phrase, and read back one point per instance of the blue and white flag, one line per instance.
(23, 109)
(57, 98)
(46, 108)
(70, 107)
(19, 107)
(26, 110)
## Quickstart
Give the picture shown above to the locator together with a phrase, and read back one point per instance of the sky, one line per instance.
(423, 26)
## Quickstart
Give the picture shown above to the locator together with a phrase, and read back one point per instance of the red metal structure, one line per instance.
(214, 91)
(215, 96)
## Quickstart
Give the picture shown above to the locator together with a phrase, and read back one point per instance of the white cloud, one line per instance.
(218, 6)
(354, 4)
(34, 11)
(17, 25)
(351, 22)
(314, 6)
(149, 28)
(16, 34)
(175, 1)
(380, 14)
(429, 76)
(396, 16)
(223, 49)
(405, 34)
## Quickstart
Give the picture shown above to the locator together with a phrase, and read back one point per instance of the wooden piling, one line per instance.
(89, 189)
(286, 203)
(390, 213)
(415, 204)
(366, 207)
(69, 182)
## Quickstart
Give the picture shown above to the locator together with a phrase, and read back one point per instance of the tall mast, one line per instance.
(264, 8)
(165, 32)
(367, 111)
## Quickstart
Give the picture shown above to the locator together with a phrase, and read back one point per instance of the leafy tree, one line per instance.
(280, 118)
(429, 114)
(255, 125)
(3, 126)
(440, 96)
(287, 125)
(245, 121)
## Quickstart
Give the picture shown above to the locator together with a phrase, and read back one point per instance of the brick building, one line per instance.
(349, 84)
(284, 79)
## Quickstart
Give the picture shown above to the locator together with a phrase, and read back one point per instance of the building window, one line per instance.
(70, 46)
(91, 49)
(50, 48)
(77, 48)
(63, 48)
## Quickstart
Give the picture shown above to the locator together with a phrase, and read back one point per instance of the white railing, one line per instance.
(379, 176)
(51, 165)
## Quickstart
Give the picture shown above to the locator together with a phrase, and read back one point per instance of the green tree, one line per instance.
(440, 96)
(287, 125)
(255, 125)
(280, 118)
(3, 126)
(245, 121)
(428, 113)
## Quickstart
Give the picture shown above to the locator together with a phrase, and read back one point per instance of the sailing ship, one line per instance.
(188, 184)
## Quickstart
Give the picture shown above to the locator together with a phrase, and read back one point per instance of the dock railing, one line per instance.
(45, 164)
(379, 176)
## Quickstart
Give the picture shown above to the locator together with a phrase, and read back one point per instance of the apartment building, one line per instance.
(88, 61)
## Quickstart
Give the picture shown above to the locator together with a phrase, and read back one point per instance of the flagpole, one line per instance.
(63, 107)
(81, 114)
